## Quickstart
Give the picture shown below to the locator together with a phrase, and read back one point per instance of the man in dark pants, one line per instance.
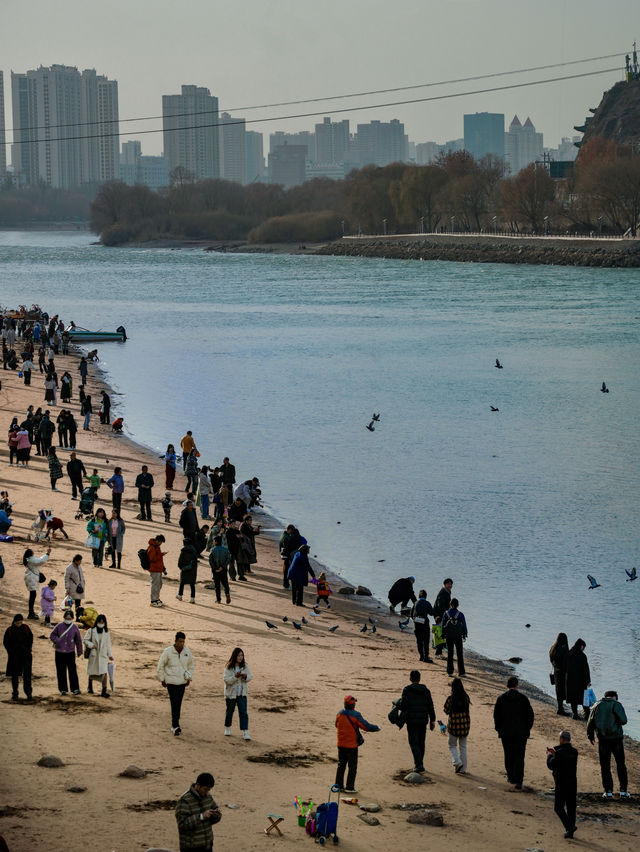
(513, 720)
(416, 705)
(606, 720)
(196, 812)
(75, 472)
(106, 408)
(175, 672)
(401, 593)
(563, 762)
(441, 606)
(228, 472)
(349, 724)
(144, 484)
(454, 630)
(290, 541)
(422, 609)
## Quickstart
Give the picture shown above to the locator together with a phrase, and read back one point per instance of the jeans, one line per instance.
(156, 585)
(192, 483)
(204, 506)
(297, 590)
(220, 581)
(422, 640)
(63, 438)
(514, 751)
(565, 804)
(87, 420)
(66, 664)
(458, 749)
(347, 757)
(241, 703)
(417, 733)
(606, 748)
(115, 553)
(145, 509)
(26, 679)
(176, 694)
(455, 642)
(116, 500)
(98, 554)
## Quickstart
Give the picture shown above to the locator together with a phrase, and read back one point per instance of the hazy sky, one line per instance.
(261, 51)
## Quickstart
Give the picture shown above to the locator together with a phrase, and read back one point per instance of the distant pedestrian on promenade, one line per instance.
(454, 630)
(401, 593)
(416, 705)
(578, 676)
(456, 707)
(175, 673)
(191, 471)
(74, 584)
(189, 522)
(195, 813)
(86, 409)
(83, 369)
(236, 675)
(349, 723)
(606, 721)
(562, 760)
(558, 657)
(420, 613)
(513, 720)
(55, 468)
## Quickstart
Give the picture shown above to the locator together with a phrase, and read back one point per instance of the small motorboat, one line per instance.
(77, 334)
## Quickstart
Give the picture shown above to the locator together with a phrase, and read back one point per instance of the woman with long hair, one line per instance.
(98, 642)
(32, 565)
(236, 677)
(116, 531)
(457, 708)
(170, 466)
(98, 528)
(558, 658)
(578, 676)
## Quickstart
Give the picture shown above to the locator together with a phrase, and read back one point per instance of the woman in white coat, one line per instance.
(98, 642)
(236, 677)
(74, 580)
(32, 564)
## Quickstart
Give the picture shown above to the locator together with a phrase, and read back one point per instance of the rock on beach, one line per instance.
(51, 761)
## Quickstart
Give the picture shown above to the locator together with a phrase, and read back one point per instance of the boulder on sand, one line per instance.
(133, 771)
(426, 816)
(50, 760)
(413, 778)
(346, 590)
(369, 819)
(363, 590)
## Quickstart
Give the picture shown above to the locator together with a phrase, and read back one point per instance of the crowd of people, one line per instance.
(217, 526)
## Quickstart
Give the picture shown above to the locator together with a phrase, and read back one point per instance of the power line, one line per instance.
(333, 112)
(328, 97)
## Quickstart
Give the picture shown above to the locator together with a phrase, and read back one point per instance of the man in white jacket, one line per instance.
(175, 672)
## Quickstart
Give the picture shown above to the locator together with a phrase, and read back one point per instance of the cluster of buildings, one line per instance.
(66, 134)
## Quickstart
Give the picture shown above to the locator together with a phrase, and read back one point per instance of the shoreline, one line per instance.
(299, 680)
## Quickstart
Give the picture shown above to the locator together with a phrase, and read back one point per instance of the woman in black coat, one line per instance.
(558, 656)
(18, 641)
(578, 676)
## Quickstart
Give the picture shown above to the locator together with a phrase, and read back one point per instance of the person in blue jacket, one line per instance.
(298, 574)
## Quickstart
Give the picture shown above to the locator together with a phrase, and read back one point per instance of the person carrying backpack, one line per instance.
(606, 719)
(454, 630)
(156, 567)
(420, 613)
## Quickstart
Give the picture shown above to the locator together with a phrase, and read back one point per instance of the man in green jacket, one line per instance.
(196, 812)
(606, 720)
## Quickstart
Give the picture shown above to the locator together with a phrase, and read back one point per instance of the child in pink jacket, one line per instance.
(47, 599)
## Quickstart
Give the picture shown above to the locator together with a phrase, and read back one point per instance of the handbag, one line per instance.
(552, 678)
(41, 577)
(92, 541)
(87, 653)
(359, 737)
(79, 588)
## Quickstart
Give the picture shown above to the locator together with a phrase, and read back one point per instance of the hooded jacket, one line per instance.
(513, 715)
(606, 719)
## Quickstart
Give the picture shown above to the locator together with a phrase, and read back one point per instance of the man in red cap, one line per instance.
(349, 724)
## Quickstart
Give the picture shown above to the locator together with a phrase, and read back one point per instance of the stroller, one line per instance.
(38, 526)
(85, 507)
(327, 818)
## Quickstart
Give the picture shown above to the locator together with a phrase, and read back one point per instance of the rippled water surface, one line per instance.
(279, 362)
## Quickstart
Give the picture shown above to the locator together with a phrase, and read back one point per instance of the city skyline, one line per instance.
(277, 52)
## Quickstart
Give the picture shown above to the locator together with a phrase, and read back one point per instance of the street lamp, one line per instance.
(342, 223)
(546, 226)
(384, 227)
(599, 226)
(453, 219)
(494, 219)
(422, 224)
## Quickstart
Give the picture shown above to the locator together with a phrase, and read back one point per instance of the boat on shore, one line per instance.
(83, 335)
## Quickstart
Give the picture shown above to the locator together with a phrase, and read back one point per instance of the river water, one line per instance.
(280, 361)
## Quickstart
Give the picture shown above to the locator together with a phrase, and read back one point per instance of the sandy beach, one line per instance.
(299, 680)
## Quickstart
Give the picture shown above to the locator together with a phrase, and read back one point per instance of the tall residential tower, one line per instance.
(191, 132)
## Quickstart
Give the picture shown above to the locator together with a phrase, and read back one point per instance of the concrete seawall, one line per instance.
(561, 251)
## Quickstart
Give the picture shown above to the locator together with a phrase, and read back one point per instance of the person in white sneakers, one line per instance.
(236, 677)
(175, 673)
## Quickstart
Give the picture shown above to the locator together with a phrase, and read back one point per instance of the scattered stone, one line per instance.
(427, 816)
(76, 789)
(369, 819)
(363, 590)
(515, 660)
(346, 590)
(50, 760)
(233, 807)
(371, 807)
(413, 778)
(133, 771)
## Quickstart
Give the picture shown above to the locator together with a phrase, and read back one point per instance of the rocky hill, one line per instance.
(618, 115)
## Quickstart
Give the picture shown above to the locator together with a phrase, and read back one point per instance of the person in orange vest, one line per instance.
(349, 724)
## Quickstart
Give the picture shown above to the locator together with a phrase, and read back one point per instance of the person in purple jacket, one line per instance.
(66, 639)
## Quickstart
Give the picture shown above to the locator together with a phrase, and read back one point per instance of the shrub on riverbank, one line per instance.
(298, 227)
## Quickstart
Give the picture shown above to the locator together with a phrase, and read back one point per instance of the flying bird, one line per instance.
(593, 583)
(363, 629)
(334, 628)
(604, 388)
(375, 417)
(270, 625)
(632, 575)
(498, 364)
(382, 560)
(297, 625)
(371, 427)
(304, 620)
(493, 408)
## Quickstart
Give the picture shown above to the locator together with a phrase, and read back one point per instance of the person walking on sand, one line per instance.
(86, 409)
(156, 567)
(116, 529)
(558, 658)
(18, 642)
(144, 484)
(606, 720)
(191, 472)
(578, 676)
(170, 462)
(188, 565)
(401, 593)
(116, 484)
(420, 613)
(105, 416)
(196, 812)
(75, 471)
(189, 521)
(98, 529)
(204, 492)
(236, 675)
(513, 719)
(416, 705)
(97, 641)
(247, 554)
(290, 541)
(83, 369)
(456, 707)
(443, 600)
(454, 630)
(68, 645)
(74, 584)
(562, 760)
(298, 574)
(47, 601)
(219, 559)
(33, 566)
(349, 723)
(186, 445)
(55, 468)
(175, 673)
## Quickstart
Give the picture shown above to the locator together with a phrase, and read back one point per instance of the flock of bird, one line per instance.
(631, 575)
(315, 613)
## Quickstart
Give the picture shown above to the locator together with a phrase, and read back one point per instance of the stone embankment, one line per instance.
(561, 251)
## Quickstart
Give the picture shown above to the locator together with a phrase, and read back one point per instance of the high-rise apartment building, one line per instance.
(3, 140)
(255, 156)
(287, 164)
(522, 145)
(332, 141)
(484, 134)
(65, 127)
(304, 137)
(380, 143)
(233, 149)
(137, 169)
(191, 132)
